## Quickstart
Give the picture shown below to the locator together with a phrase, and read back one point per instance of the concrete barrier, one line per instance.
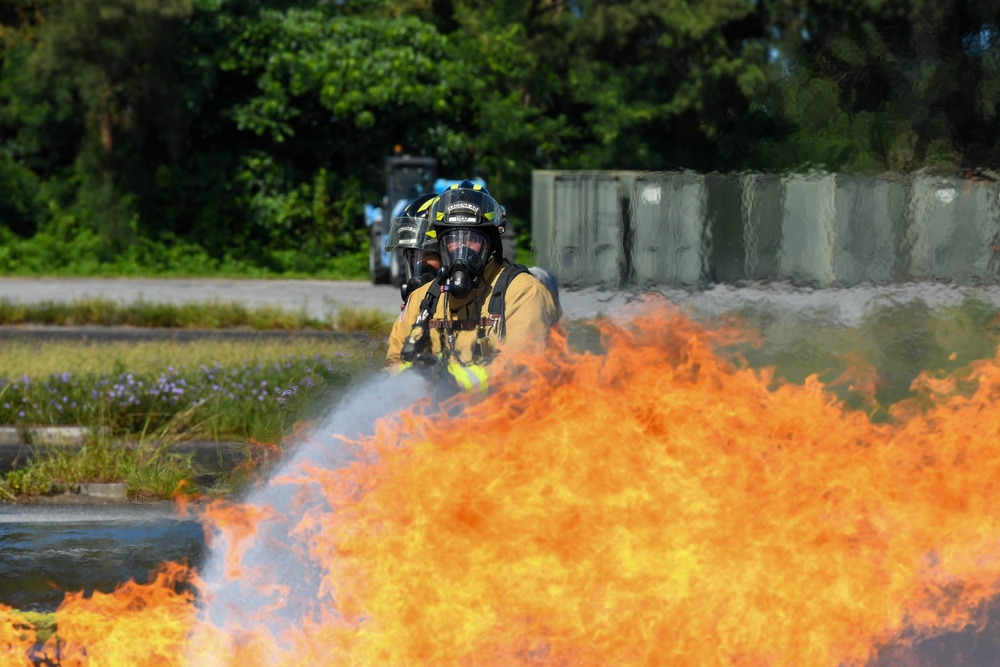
(870, 219)
(580, 226)
(807, 230)
(952, 229)
(617, 228)
(72, 436)
(668, 229)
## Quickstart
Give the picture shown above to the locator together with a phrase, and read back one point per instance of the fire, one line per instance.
(659, 503)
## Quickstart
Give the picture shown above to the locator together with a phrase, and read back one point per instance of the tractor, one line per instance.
(406, 178)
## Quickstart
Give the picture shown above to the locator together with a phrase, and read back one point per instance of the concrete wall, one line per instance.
(667, 214)
(681, 228)
(578, 225)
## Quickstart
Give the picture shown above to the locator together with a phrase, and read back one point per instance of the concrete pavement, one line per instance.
(319, 298)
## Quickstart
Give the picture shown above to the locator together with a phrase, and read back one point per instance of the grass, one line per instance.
(139, 398)
(210, 315)
(149, 472)
(43, 358)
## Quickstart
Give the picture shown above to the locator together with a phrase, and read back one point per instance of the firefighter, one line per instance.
(412, 232)
(479, 303)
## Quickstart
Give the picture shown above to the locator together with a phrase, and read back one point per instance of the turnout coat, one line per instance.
(528, 312)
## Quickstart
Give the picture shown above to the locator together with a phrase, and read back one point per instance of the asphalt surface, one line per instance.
(319, 298)
(323, 298)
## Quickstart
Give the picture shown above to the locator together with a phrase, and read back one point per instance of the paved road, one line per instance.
(322, 298)
(319, 298)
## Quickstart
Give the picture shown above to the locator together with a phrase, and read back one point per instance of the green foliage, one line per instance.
(28, 482)
(875, 86)
(148, 471)
(91, 97)
(137, 400)
(874, 365)
(211, 315)
(19, 207)
(243, 136)
(208, 401)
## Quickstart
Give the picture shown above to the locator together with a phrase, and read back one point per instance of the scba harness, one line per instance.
(496, 319)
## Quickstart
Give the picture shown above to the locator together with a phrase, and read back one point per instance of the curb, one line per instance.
(103, 490)
(18, 444)
(13, 436)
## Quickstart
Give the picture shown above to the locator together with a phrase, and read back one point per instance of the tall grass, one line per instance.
(139, 398)
(194, 315)
(223, 389)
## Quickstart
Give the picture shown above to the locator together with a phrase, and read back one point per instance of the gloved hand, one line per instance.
(471, 378)
(435, 372)
(450, 379)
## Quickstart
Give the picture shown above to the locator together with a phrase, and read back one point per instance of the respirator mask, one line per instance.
(421, 267)
(466, 252)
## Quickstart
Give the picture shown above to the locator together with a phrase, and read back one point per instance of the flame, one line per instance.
(658, 503)
(136, 625)
(17, 638)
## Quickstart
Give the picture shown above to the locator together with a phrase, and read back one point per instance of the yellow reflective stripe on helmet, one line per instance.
(477, 186)
(470, 377)
(427, 204)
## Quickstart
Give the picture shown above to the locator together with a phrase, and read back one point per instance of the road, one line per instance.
(322, 298)
(319, 298)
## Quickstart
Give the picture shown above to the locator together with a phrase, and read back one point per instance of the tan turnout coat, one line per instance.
(530, 312)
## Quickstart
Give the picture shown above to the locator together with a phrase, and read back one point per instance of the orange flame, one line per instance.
(655, 504)
(17, 638)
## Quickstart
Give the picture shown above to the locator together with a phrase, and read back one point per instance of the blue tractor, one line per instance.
(406, 178)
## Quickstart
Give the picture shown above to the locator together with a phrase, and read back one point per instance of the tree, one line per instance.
(94, 100)
(870, 85)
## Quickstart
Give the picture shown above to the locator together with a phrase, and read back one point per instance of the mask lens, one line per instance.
(461, 243)
(421, 262)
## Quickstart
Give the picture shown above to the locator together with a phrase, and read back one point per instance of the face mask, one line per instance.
(421, 267)
(467, 251)
(424, 272)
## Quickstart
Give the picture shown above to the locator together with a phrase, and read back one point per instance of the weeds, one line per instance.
(211, 315)
(148, 472)
(139, 400)
(220, 400)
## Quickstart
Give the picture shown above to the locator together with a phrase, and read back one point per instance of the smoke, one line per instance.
(258, 573)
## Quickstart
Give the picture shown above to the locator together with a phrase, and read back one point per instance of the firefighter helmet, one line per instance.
(468, 222)
(412, 229)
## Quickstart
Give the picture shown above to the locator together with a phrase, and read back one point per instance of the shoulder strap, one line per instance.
(497, 301)
(430, 298)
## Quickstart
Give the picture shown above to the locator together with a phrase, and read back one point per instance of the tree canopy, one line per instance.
(252, 131)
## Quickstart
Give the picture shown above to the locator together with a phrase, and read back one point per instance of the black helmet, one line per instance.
(468, 222)
(412, 232)
(412, 228)
(467, 204)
